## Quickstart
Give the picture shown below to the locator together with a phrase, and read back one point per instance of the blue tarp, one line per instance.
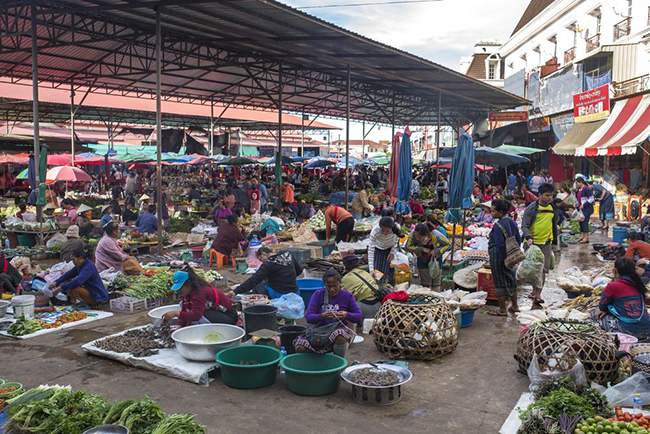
(405, 178)
(461, 179)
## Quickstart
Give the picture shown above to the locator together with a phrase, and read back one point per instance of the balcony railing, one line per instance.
(569, 55)
(631, 86)
(622, 29)
(593, 43)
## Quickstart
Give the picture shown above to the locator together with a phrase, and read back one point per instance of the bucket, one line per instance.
(288, 334)
(236, 373)
(23, 306)
(197, 252)
(26, 240)
(626, 341)
(619, 234)
(260, 317)
(307, 287)
(466, 318)
(312, 374)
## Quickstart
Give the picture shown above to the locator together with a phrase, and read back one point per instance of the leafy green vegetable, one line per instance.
(559, 402)
(115, 411)
(142, 416)
(149, 287)
(179, 424)
(36, 394)
(24, 327)
(184, 224)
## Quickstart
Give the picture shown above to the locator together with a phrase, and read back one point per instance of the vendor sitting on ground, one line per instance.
(230, 237)
(362, 286)
(73, 243)
(273, 224)
(485, 216)
(278, 275)
(221, 212)
(343, 220)
(10, 278)
(106, 215)
(83, 221)
(331, 305)
(108, 253)
(82, 283)
(638, 248)
(622, 306)
(200, 302)
(147, 223)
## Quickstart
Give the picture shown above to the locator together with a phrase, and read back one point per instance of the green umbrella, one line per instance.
(238, 161)
(23, 175)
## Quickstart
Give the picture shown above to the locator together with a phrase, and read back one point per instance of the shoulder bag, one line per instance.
(319, 335)
(379, 292)
(514, 255)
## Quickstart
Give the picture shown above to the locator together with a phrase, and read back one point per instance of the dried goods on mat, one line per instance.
(142, 342)
(325, 264)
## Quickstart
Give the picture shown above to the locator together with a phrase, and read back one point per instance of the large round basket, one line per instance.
(421, 328)
(559, 343)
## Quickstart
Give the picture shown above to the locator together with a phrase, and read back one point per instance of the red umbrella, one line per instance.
(14, 159)
(59, 160)
(478, 167)
(97, 161)
(66, 173)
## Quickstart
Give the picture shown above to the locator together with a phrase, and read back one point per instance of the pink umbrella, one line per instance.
(66, 173)
(59, 160)
(97, 161)
(13, 159)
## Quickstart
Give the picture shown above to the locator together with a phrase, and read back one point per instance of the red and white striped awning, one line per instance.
(627, 127)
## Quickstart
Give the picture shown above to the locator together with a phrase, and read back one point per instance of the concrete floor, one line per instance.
(469, 391)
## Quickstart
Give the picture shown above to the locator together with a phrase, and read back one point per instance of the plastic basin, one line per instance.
(242, 376)
(307, 287)
(262, 316)
(310, 374)
(626, 341)
(18, 391)
(466, 318)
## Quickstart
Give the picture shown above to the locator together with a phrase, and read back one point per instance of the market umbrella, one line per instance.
(518, 150)
(14, 159)
(405, 174)
(393, 171)
(354, 162)
(31, 177)
(461, 178)
(490, 156)
(24, 174)
(59, 160)
(86, 155)
(285, 160)
(238, 161)
(66, 173)
(478, 167)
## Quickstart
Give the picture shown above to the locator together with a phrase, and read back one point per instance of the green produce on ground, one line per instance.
(149, 287)
(184, 224)
(141, 416)
(24, 327)
(560, 402)
(179, 424)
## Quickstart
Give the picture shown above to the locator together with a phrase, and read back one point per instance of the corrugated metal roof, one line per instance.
(232, 50)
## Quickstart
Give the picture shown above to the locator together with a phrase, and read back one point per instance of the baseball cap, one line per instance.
(180, 277)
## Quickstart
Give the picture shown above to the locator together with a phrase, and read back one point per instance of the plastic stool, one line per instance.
(221, 258)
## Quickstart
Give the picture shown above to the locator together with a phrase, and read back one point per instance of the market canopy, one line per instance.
(626, 128)
(489, 156)
(234, 53)
(477, 167)
(576, 137)
(518, 150)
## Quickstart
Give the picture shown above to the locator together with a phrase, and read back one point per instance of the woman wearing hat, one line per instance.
(106, 215)
(485, 216)
(73, 243)
(83, 220)
(144, 204)
(200, 302)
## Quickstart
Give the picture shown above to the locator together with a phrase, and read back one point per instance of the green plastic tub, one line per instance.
(19, 390)
(312, 374)
(242, 376)
(26, 240)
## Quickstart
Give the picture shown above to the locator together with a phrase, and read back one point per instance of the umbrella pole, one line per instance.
(453, 243)
(462, 236)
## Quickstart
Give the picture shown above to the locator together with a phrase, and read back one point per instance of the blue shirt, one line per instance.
(264, 194)
(147, 223)
(87, 277)
(106, 218)
(498, 239)
(512, 181)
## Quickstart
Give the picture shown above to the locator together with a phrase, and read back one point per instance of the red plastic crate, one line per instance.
(486, 283)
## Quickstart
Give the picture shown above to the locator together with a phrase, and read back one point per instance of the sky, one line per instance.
(440, 31)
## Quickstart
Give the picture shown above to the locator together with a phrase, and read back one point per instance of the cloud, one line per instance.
(441, 31)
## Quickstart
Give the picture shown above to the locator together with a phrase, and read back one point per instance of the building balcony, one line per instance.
(593, 43)
(622, 29)
(631, 86)
(569, 55)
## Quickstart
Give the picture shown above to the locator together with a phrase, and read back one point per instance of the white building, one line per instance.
(485, 63)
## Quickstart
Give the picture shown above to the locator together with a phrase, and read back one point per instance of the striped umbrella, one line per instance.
(405, 174)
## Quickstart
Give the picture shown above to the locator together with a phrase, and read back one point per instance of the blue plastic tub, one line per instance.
(620, 234)
(466, 318)
(308, 287)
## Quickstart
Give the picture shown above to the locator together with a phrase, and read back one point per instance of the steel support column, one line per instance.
(363, 140)
(278, 155)
(211, 127)
(72, 113)
(347, 142)
(302, 134)
(438, 130)
(37, 141)
(159, 128)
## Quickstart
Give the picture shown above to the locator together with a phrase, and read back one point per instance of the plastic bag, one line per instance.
(434, 269)
(57, 239)
(580, 216)
(290, 306)
(537, 377)
(531, 269)
(622, 394)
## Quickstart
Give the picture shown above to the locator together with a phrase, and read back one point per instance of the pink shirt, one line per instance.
(109, 255)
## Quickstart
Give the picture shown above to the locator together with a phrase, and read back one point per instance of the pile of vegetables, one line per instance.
(601, 425)
(638, 418)
(209, 276)
(150, 286)
(427, 193)
(64, 319)
(317, 222)
(121, 283)
(24, 327)
(309, 197)
(59, 410)
(184, 224)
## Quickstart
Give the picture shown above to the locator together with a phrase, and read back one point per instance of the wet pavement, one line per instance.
(469, 391)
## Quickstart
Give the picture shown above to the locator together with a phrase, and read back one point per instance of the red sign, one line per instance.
(508, 116)
(591, 105)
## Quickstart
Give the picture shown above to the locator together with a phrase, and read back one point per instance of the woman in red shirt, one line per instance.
(200, 303)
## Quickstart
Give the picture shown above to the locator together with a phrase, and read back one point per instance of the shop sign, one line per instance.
(591, 105)
(539, 125)
(517, 116)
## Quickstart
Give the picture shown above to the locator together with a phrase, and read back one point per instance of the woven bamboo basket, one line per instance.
(422, 328)
(640, 354)
(559, 343)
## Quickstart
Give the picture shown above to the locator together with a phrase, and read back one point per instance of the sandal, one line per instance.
(497, 313)
(513, 311)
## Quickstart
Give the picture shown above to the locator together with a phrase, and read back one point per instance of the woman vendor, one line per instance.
(362, 286)
(200, 303)
(229, 237)
(278, 275)
(70, 211)
(106, 215)
(485, 216)
(82, 283)
(73, 242)
(10, 278)
(109, 254)
(273, 224)
(505, 281)
(382, 247)
(586, 205)
(622, 303)
(343, 220)
(83, 221)
(221, 212)
(606, 209)
(332, 310)
(428, 246)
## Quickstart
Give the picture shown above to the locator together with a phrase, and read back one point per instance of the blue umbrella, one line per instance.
(461, 179)
(87, 155)
(285, 160)
(354, 162)
(405, 178)
(489, 157)
(317, 162)
(31, 179)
